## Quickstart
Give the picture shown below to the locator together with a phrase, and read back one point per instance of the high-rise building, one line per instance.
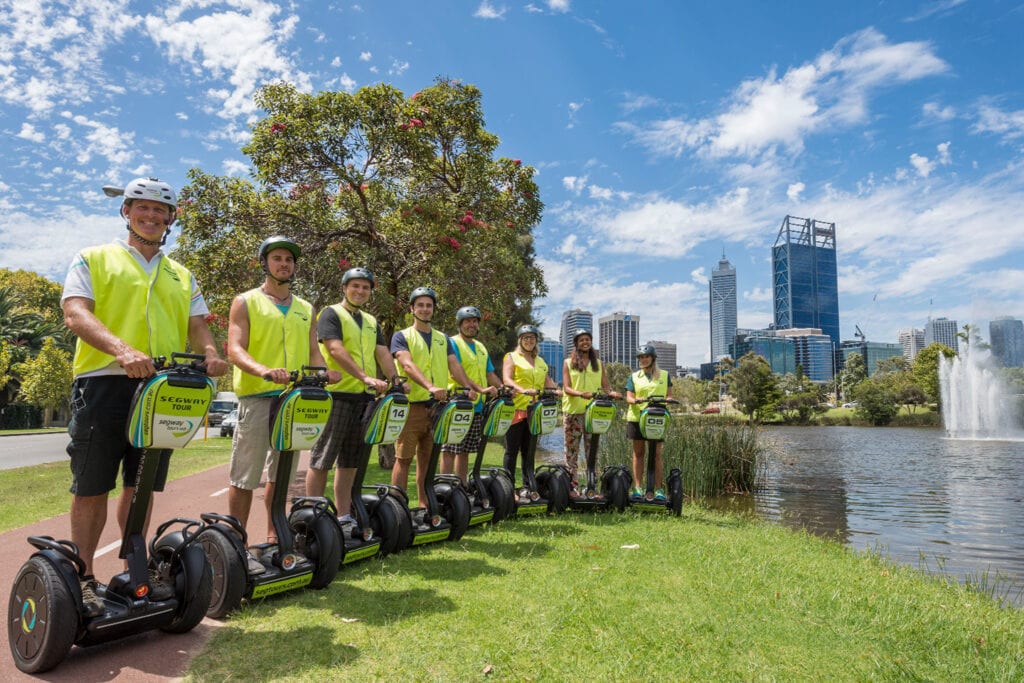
(551, 352)
(666, 355)
(912, 341)
(943, 331)
(573, 320)
(804, 276)
(1007, 337)
(872, 353)
(619, 338)
(722, 302)
(815, 352)
(780, 352)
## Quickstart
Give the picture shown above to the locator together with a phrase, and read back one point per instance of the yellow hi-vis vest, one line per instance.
(527, 376)
(473, 361)
(587, 380)
(149, 312)
(432, 362)
(361, 344)
(643, 387)
(276, 339)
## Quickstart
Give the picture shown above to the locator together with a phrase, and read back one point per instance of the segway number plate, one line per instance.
(598, 417)
(500, 413)
(166, 414)
(387, 420)
(654, 422)
(454, 422)
(543, 417)
(300, 419)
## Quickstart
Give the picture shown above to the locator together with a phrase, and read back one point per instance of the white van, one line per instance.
(223, 403)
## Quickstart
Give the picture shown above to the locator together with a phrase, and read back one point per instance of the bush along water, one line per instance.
(715, 458)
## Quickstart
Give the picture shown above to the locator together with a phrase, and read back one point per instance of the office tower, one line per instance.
(912, 341)
(551, 352)
(815, 352)
(872, 353)
(666, 356)
(804, 276)
(943, 331)
(573, 320)
(1007, 337)
(619, 338)
(722, 302)
(780, 352)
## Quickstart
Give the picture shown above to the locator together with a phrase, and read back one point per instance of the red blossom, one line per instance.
(509, 224)
(452, 242)
(277, 127)
(416, 123)
(343, 263)
(415, 95)
(517, 162)
(418, 209)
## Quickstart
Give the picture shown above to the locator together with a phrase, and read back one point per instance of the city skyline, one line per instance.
(655, 150)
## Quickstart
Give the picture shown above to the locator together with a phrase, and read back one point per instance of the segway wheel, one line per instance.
(502, 496)
(42, 617)
(454, 508)
(675, 493)
(190, 610)
(617, 493)
(554, 489)
(391, 524)
(228, 569)
(319, 539)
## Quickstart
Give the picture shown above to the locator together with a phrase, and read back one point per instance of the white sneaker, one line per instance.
(253, 565)
(346, 519)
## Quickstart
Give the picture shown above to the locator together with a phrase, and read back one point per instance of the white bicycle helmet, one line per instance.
(153, 189)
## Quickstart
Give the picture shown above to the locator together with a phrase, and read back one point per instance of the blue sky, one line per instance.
(664, 133)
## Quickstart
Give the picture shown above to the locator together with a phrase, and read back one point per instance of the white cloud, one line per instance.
(699, 275)
(488, 11)
(922, 164)
(559, 5)
(181, 116)
(50, 242)
(574, 184)
(574, 108)
(634, 102)
(758, 294)
(991, 119)
(100, 139)
(933, 110)
(235, 167)
(336, 62)
(29, 132)
(831, 92)
(794, 190)
(365, 56)
(398, 68)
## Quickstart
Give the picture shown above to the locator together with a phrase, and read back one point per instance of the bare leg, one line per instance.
(659, 475)
(447, 462)
(400, 473)
(88, 517)
(268, 503)
(239, 503)
(422, 464)
(343, 478)
(638, 462)
(316, 483)
(462, 466)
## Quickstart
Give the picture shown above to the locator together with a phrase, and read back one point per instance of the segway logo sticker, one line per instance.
(28, 615)
(166, 415)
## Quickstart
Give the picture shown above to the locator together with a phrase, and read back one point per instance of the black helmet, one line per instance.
(579, 333)
(278, 242)
(528, 329)
(647, 350)
(422, 291)
(467, 312)
(358, 274)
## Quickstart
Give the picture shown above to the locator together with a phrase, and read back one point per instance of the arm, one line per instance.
(238, 345)
(413, 372)
(80, 319)
(201, 340)
(461, 378)
(317, 359)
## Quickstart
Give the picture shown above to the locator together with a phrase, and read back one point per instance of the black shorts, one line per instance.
(99, 436)
(633, 431)
(342, 440)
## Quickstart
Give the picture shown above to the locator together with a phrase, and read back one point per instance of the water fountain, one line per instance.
(976, 404)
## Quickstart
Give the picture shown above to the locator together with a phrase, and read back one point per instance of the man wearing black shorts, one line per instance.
(127, 302)
(352, 342)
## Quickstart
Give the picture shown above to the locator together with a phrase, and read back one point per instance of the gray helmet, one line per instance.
(358, 274)
(422, 291)
(579, 333)
(647, 350)
(467, 312)
(153, 189)
(528, 329)
(278, 242)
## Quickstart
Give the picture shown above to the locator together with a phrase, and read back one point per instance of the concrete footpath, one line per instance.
(153, 655)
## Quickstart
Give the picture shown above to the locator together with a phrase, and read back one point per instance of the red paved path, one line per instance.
(154, 655)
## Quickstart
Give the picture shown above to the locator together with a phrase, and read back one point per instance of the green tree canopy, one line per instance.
(35, 293)
(876, 402)
(926, 368)
(753, 386)
(45, 378)
(854, 372)
(5, 364)
(617, 374)
(406, 186)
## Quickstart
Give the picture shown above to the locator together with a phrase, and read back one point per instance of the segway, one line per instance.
(443, 517)
(308, 548)
(654, 423)
(545, 489)
(615, 479)
(383, 524)
(46, 616)
(492, 495)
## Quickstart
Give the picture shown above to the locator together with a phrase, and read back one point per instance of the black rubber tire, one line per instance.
(228, 572)
(617, 492)
(454, 508)
(190, 613)
(391, 524)
(52, 624)
(675, 494)
(503, 496)
(319, 540)
(555, 489)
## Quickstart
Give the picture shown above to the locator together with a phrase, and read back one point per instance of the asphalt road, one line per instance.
(32, 449)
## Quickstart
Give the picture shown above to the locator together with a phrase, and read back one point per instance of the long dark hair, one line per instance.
(579, 362)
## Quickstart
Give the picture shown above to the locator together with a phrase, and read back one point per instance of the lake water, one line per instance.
(939, 504)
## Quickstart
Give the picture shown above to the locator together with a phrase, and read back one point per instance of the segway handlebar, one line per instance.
(309, 376)
(197, 361)
(657, 401)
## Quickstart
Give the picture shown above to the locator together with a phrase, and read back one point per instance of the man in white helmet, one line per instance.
(127, 302)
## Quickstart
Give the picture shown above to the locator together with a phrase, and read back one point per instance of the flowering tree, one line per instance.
(406, 186)
(46, 378)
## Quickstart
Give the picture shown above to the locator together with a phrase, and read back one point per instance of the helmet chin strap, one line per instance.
(275, 278)
(149, 243)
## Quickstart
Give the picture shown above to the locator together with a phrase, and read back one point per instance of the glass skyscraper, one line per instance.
(573, 320)
(722, 302)
(551, 352)
(804, 276)
(1007, 337)
(943, 331)
(619, 338)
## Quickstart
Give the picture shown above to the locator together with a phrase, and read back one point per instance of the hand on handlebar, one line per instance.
(277, 375)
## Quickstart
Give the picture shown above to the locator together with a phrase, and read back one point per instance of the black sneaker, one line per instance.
(159, 587)
(92, 605)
